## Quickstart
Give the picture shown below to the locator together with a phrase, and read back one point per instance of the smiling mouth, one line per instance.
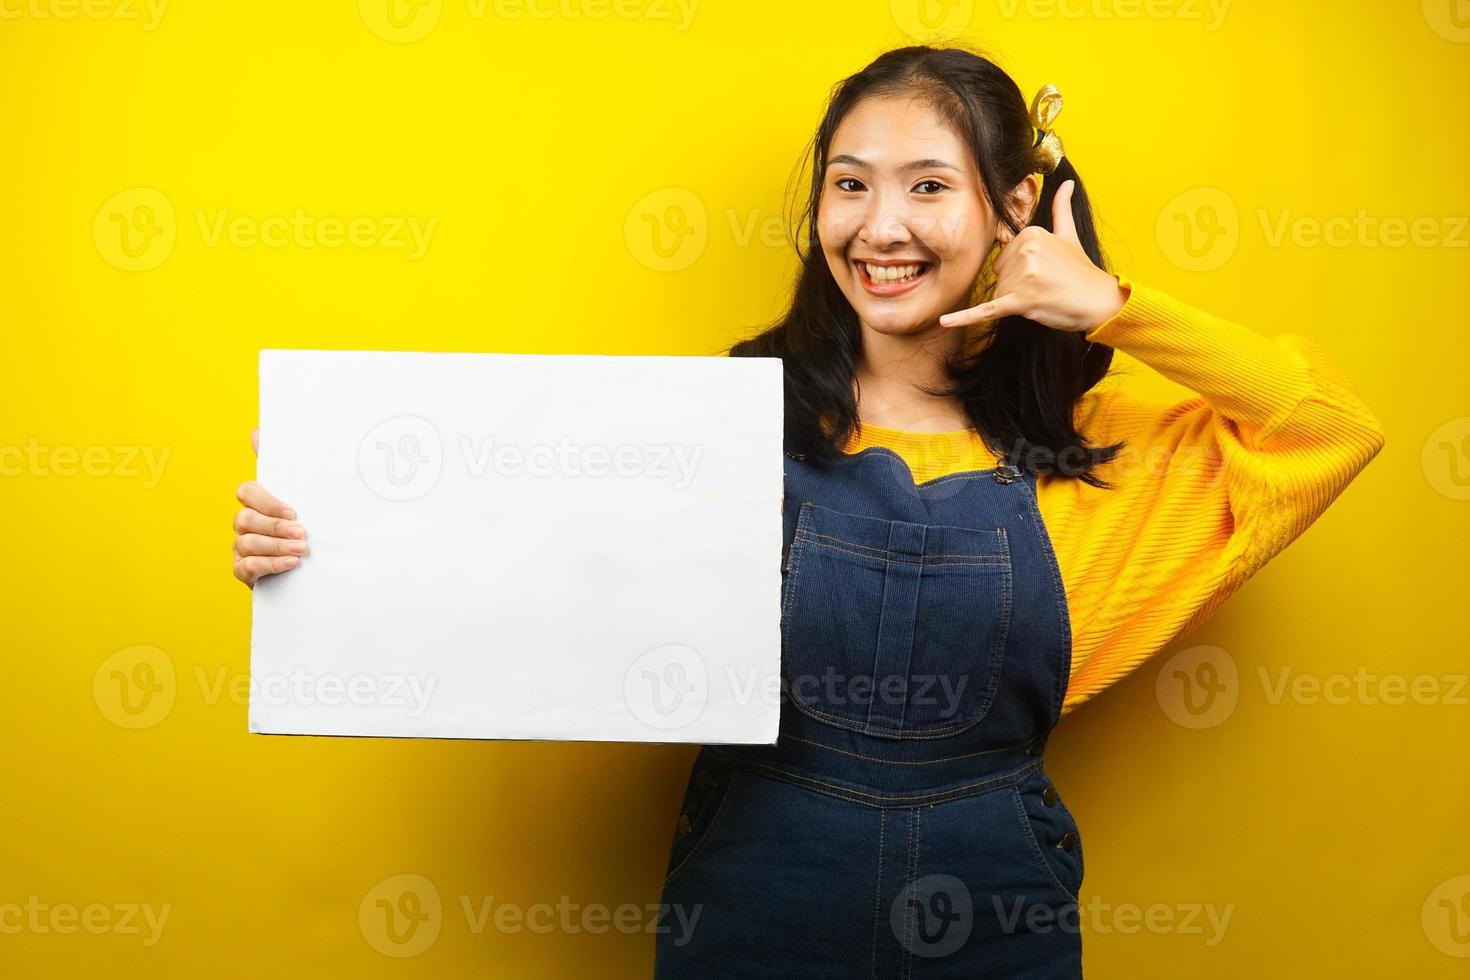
(887, 280)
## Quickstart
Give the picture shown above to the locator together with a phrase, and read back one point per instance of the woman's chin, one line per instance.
(898, 323)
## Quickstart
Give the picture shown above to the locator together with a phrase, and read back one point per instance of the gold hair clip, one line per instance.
(1044, 110)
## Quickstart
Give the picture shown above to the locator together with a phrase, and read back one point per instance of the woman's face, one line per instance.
(902, 218)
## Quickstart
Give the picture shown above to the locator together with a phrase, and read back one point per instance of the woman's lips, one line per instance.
(891, 288)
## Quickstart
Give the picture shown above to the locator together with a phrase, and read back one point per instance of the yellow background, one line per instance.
(545, 138)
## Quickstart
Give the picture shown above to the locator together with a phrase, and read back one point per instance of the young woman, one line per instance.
(978, 539)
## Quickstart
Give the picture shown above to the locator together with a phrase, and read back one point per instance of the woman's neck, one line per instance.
(892, 375)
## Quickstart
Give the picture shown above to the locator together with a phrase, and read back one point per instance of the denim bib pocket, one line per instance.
(894, 628)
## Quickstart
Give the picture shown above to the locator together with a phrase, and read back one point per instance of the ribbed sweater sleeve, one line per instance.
(1208, 489)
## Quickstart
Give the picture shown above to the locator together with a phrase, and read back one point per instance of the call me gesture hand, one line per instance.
(1045, 276)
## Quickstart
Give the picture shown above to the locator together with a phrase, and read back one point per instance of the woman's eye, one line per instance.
(934, 185)
(842, 183)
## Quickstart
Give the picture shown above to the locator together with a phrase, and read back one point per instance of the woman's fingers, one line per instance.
(251, 521)
(1007, 305)
(268, 540)
(261, 544)
(252, 568)
(1062, 223)
(255, 496)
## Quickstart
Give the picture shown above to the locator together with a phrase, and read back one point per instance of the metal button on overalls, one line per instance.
(903, 824)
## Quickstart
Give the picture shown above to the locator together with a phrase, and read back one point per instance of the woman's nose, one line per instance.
(885, 223)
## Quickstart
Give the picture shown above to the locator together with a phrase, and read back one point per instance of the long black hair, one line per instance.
(1020, 388)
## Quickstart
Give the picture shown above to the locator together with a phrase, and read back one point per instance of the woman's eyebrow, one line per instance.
(849, 160)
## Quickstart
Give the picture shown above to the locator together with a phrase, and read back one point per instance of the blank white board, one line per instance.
(522, 546)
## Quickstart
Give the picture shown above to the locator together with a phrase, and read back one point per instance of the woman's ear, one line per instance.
(1020, 202)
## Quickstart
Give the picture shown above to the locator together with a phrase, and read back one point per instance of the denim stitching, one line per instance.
(1005, 562)
(1064, 616)
(909, 907)
(909, 762)
(937, 554)
(894, 801)
(837, 721)
(1076, 829)
(877, 639)
(893, 455)
(998, 649)
(995, 561)
(709, 828)
(792, 569)
(1035, 844)
(866, 728)
(878, 894)
(903, 708)
(918, 839)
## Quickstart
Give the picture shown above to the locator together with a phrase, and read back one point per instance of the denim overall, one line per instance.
(903, 825)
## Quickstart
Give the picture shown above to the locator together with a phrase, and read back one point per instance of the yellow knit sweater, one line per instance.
(1208, 489)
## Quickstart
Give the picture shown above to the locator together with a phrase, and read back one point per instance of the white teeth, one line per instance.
(891, 273)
